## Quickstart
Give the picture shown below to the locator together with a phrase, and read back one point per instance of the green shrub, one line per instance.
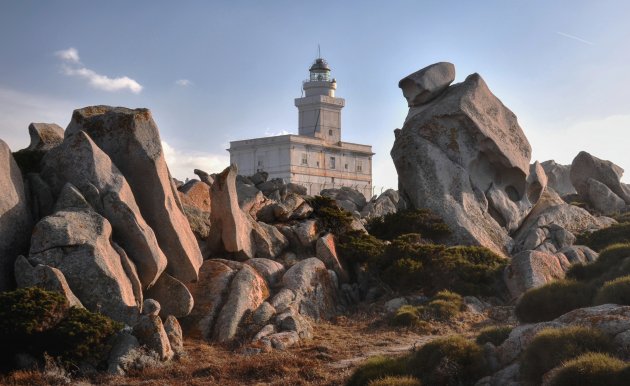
(378, 367)
(26, 311)
(406, 316)
(608, 266)
(551, 347)
(552, 300)
(445, 305)
(82, 335)
(616, 291)
(356, 246)
(494, 335)
(421, 221)
(452, 360)
(600, 239)
(590, 369)
(396, 381)
(330, 217)
(410, 264)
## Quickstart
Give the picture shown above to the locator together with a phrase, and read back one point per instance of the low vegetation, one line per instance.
(600, 239)
(591, 369)
(616, 291)
(495, 335)
(396, 381)
(377, 368)
(552, 300)
(444, 306)
(35, 321)
(330, 217)
(421, 221)
(554, 346)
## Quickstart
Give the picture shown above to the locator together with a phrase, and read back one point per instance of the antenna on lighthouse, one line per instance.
(319, 52)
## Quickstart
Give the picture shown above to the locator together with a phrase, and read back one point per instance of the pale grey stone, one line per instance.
(172, 295)
(428, 83)
(43, 276)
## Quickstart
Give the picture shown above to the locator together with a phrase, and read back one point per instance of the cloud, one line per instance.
(71, 55)
(181, 163)
(72, 67)
(566, 35)
(269, 133)
(183, 82)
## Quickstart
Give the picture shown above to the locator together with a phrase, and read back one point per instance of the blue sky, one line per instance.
(212, 72)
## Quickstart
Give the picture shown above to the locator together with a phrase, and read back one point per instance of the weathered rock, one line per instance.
(283, 299)
(284, 211)
(209, 293)
(585, 166)
(174, 333)
(247, 292)
(316, 295)
(602, 199)
(196, 193)
(40, 197)
(150, 332)
(452, 150)
(306, 232)
(173, 296)
(291, 320)
(77, 242)
(509, 376)
(531, 269)
(122, 344)
(268, 241)
(132, 141)
(393, 305)
(263, 314)
(132, 273)
(559, 177)
(296, 188)
(204, 177)
(151, 307)
(15, 218)
(45, 277)
(265, 331)
(579, 254)
(270, 270)
(519, 339)
(611, 319)
(427, 84)
(44, 136)
(259, 178)
(384, 204)
(231, 227)
(79, 161)
(69, 198)
(349, 199)
(250, 199)
(270, 187)
(327, 252)
(302, 212)
(283, 340)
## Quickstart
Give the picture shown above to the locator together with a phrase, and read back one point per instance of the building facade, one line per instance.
(316, 157)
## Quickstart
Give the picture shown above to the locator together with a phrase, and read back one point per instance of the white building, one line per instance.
(315, 158)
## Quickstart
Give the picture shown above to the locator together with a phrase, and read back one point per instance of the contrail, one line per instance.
(575, 38)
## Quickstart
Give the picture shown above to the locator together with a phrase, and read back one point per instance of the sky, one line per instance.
(217, 71)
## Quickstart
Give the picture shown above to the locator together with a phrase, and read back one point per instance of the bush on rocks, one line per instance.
(376, 368)
(600, 239)
(356, 246)
(452, 360)
(407, 316)
(616, 291)
(330, 217)
(590, 369)
(396, 381)
(551, 347)
(552, 300)
(613, 262)
(421, 221)
(494, 335)
(445, 305)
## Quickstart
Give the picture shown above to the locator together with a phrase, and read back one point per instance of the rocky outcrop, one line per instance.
(196, 193)
(464, 156)
(326, 251)
(531, 269)
(315, 292)
(45, 277)
(347, 198)
(598, 183)
(559, 177)
(427, 84)
(174, 298)
(15, 218)
(384, 204)
(77, 243)
(150, 332)
(44, 136)
(132, 141)
(79, 161)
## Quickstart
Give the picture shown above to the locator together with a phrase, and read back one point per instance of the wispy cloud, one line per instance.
(183, 82)
(72, 67)
(270, 133)
(181, 163)
(566, 35)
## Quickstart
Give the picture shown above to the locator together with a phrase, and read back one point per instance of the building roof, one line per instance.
(320, 64)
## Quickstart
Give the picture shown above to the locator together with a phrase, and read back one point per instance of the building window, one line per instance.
(261, 164)
(345, 166)
(332, 162)
(317, 163)
(359, 166)
(304, 159)
(332, 179)
(330, 132)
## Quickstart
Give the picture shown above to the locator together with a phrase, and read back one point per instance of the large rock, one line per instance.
(384, 204)
(132, 140)
(602, 199)
(77, 242)
(231, 226)
(15, 218)
(586, 166)
(427, 84)
(44, 136)
(175, 299)
(349, 199)
(79, 161)
(40, 197)
(268, 241)
(453, 151)
(326, 251)
(196, 193)
(43, 276)
(150, 332)
(209, 293)
(270, 270)
(559, 177)
(315, 292)
(531, 269)
(247, 292)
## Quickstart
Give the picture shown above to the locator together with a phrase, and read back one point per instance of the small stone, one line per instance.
(150, 307)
